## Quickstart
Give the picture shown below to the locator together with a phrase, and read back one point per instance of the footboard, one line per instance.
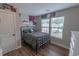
(35, 41)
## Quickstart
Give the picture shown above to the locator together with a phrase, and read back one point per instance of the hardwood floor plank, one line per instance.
(46, 50)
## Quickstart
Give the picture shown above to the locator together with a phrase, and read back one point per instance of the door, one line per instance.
(7, 32)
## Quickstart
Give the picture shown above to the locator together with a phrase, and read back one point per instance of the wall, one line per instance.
(38, 25)
(71, 22)
(24, 16)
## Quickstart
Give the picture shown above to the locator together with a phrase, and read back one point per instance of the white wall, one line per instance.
(24, 16)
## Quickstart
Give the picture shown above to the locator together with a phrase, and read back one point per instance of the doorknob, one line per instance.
(13, 34)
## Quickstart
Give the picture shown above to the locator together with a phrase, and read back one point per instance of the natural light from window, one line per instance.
(45, 25)
(54, 26)
(57, 25)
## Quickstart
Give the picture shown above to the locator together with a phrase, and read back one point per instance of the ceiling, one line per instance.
(41, 8)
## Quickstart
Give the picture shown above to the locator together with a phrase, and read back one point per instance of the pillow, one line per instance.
(31, 30)
(26, 31)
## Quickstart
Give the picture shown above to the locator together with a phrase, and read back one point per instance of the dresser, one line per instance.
(74, 44)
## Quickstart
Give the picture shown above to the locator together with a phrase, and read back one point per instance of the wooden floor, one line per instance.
(46, 50)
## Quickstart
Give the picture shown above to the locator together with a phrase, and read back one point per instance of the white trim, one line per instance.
(59, 44)
(18, 47)
(0, 52)
(11, 50)
(6, 11)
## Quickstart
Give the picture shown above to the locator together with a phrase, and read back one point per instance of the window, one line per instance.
(57, 25)
(45, 25)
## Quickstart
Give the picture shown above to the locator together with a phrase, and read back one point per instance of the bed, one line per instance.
(35, 39)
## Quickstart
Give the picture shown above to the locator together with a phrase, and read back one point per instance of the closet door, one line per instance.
(7, 32)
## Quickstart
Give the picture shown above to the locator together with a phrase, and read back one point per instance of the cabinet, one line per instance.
(74, 44)
(9, 31)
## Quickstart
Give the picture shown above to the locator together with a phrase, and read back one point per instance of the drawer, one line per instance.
(71, 52)
(73, 38)
(71, 46)
(72, 43)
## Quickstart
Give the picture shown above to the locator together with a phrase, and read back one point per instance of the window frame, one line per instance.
(50, 28)
(44, 26)
(53, 27)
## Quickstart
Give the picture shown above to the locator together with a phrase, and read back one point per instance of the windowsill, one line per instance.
(56, 38)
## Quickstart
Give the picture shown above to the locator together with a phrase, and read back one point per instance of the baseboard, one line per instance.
(59, 44)
(11, 50)
(0, 52)
(18, 47)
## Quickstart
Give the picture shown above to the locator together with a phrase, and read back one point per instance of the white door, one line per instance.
(7, 32)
